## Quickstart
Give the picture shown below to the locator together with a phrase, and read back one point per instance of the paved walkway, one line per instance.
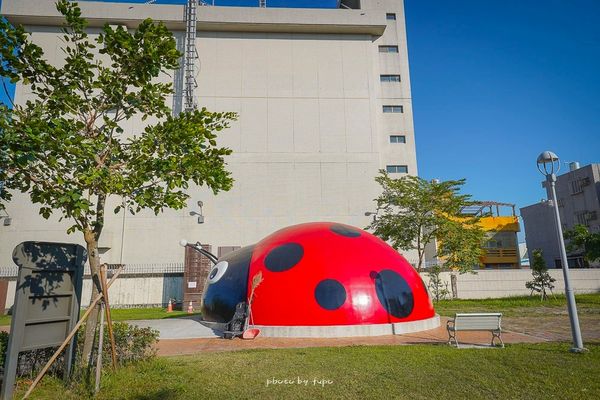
(178, 328)
(188, 336)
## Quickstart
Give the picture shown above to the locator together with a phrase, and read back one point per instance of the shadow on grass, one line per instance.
(163, 394)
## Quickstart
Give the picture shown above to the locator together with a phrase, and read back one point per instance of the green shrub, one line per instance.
(3, 347)
(542, 281)
(132, 344)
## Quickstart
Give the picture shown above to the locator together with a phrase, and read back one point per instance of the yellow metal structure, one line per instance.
(500, 224)
(501, 249)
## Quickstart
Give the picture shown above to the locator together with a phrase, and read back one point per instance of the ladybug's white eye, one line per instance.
(217, 272)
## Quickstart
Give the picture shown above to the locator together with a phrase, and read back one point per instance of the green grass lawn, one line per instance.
(532, 371)
(124, 314)
(510, 306)
(5, 320)
(520, 306)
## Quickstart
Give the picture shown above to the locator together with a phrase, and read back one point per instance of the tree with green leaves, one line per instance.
(459, 243)
(413, 212)
(67, 146)
(542, 281)
(582, 240)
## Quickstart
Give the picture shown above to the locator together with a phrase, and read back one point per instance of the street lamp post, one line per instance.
(369, 213)
(549, 165)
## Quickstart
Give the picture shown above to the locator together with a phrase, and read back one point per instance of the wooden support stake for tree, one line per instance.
(100, 345)
(111, 336)
(69, 337)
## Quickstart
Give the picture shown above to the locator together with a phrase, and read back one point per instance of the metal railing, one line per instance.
(501, 252)
(11, 271)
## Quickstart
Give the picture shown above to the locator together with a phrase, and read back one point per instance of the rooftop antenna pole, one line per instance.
(190, 54)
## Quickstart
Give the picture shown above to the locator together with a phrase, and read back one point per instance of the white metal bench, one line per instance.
(475, 322)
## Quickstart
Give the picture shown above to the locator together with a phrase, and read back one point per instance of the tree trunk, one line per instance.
(419, 252)
(92, 322)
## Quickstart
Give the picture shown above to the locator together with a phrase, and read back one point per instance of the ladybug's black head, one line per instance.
(226, 286)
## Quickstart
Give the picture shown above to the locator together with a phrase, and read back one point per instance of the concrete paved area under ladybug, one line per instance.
(188, 336)
(178, 328)
(168, 346)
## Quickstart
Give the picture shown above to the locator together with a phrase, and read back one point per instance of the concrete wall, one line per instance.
(155, 290)
(129, 291)
(506, 283)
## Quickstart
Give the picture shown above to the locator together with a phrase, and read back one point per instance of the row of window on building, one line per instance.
(396, 169)
(392, 108)
(389, 78)
(388, 49)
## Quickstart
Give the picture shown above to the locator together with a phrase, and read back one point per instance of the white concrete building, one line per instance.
(578, 196)
(324, 102)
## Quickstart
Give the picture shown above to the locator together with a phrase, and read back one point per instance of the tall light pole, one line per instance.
(549, 165)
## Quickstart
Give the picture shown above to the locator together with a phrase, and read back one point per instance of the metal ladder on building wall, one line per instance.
(190, 54)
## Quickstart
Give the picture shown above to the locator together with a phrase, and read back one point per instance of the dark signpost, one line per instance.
(47, 302)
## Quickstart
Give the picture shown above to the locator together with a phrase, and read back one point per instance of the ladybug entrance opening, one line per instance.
(394, 293)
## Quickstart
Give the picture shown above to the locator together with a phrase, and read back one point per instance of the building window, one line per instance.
(581, 218)
(396, 169)
(397, 139)
(578, 185)
(393, 109)
(390, 16)
(584, 217)
(388, 49)
(389, 78)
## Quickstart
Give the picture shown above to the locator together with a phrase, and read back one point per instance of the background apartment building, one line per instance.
(578, 194)
(324, 102)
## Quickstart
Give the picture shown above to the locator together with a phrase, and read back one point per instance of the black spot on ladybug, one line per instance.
(284, 257)
(344, 231)
(394, 293)
(330, 294)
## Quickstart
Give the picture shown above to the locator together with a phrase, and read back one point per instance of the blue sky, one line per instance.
(494, 83)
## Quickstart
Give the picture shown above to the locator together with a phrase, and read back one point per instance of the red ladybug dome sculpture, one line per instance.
(324, 279)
